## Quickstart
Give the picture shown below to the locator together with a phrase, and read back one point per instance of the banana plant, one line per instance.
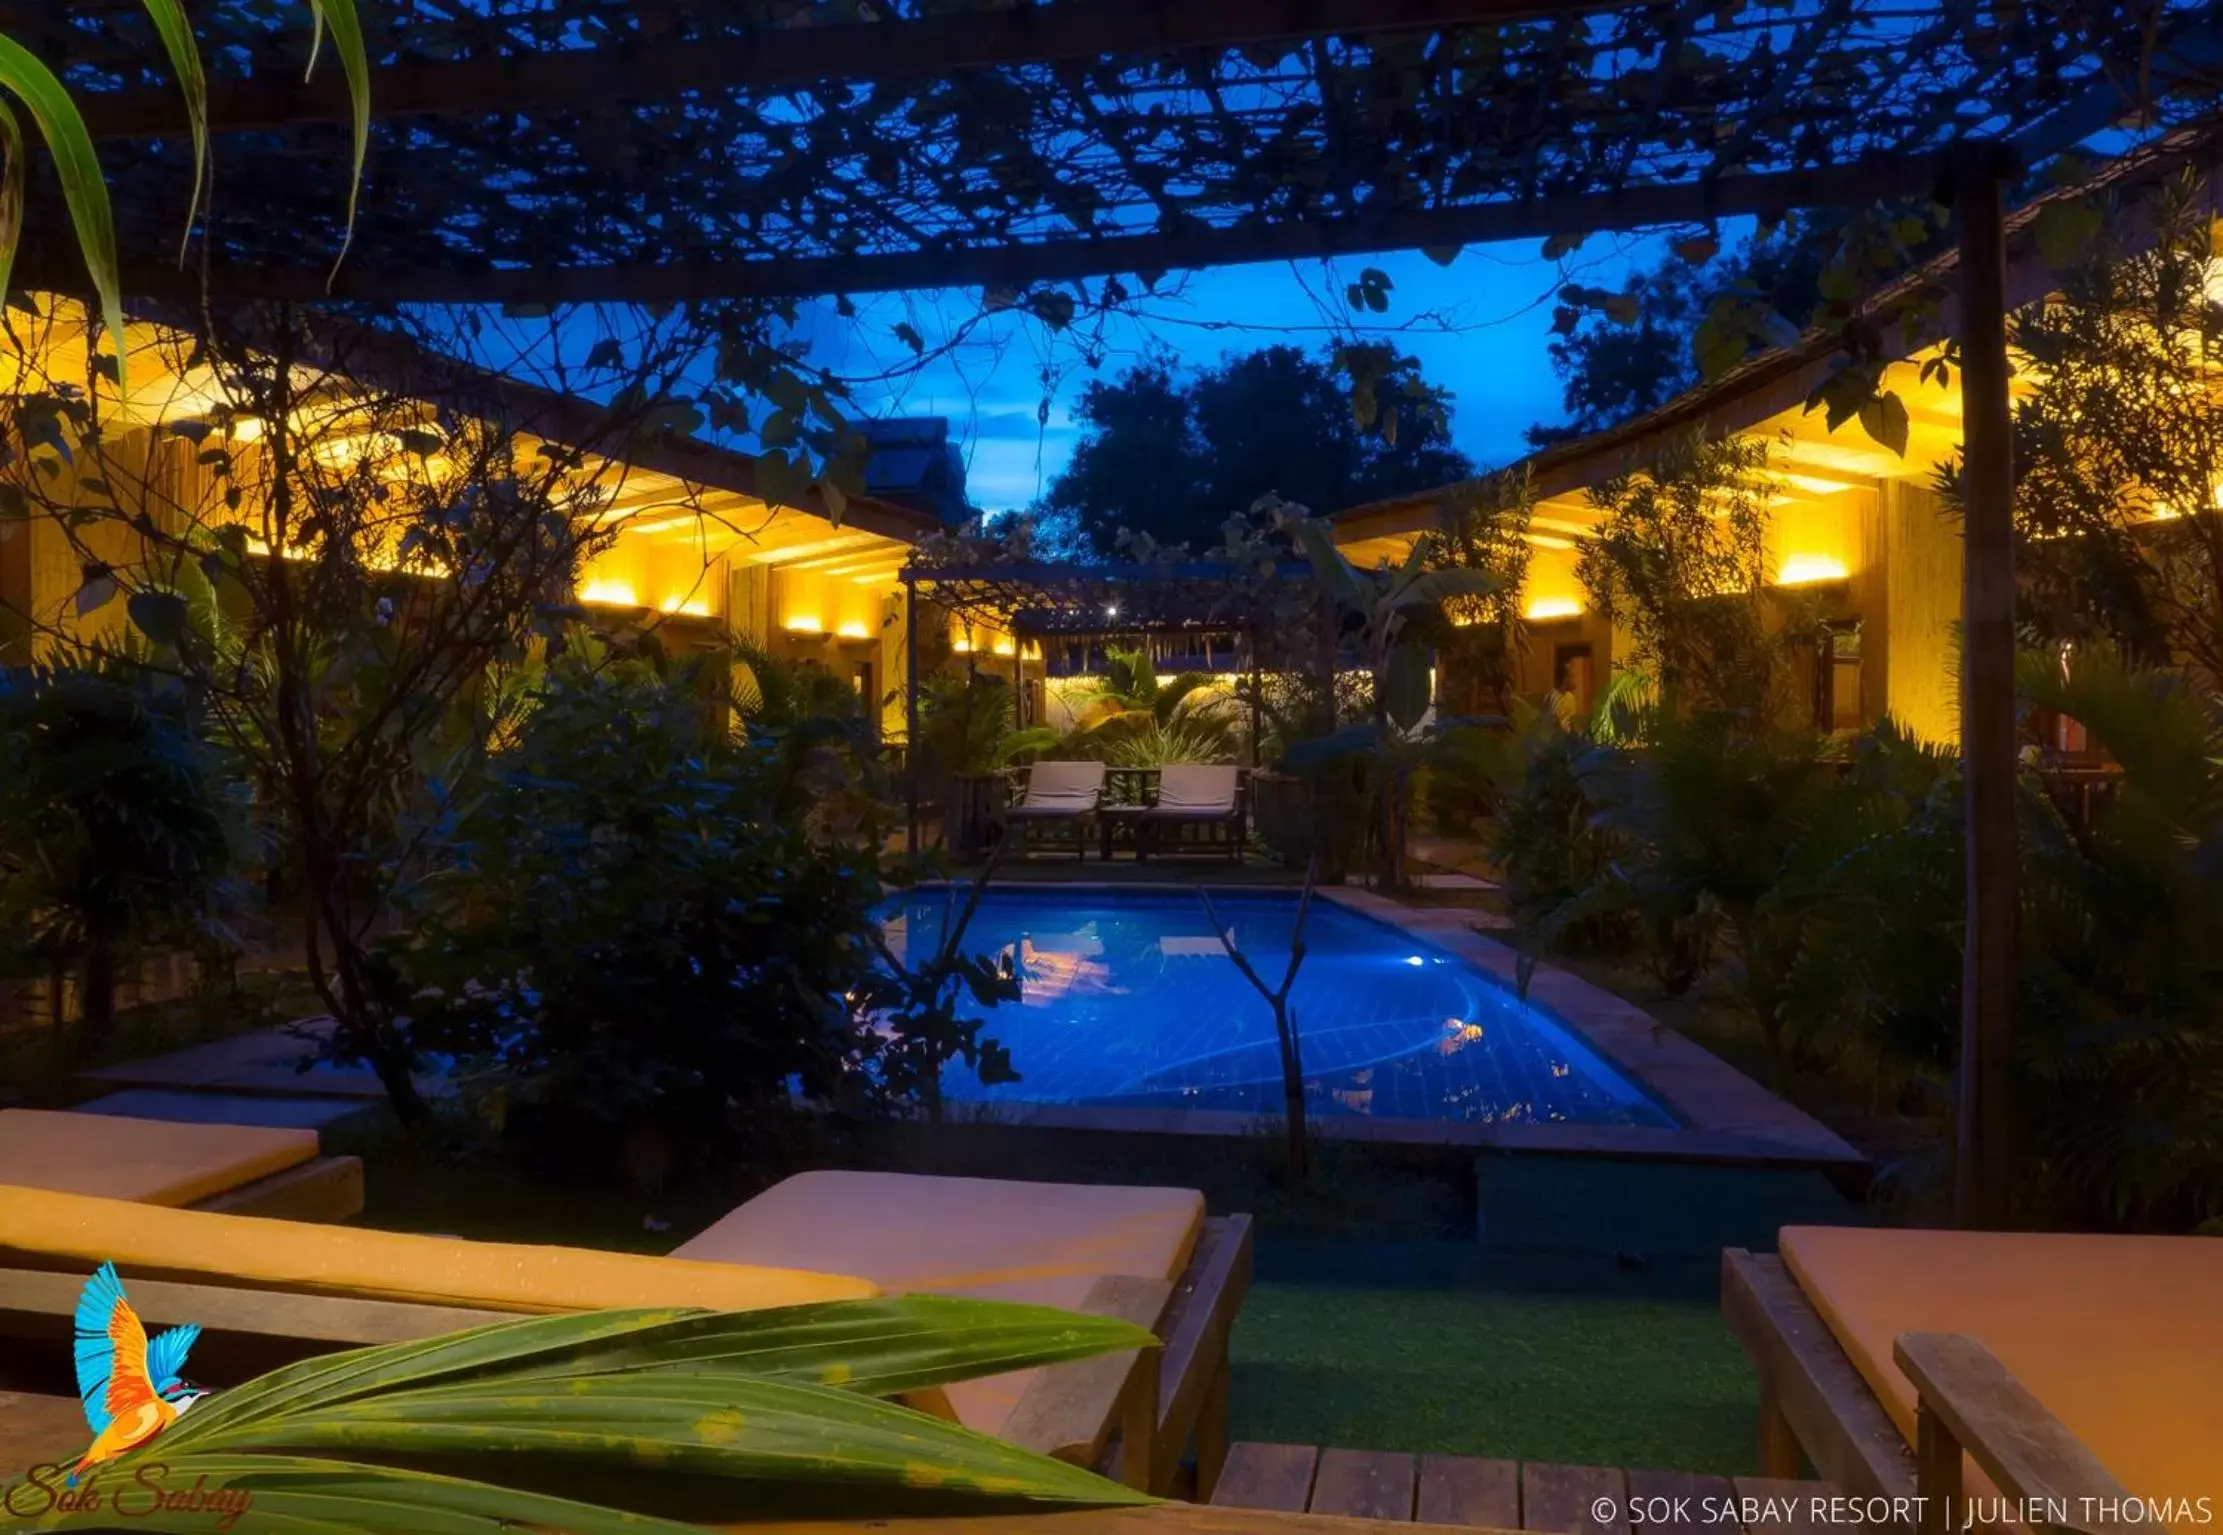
(24, 75)
(642, 1422)
(1387, 602)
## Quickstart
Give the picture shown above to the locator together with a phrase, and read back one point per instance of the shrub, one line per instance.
(632, 948)
(120, 829)
(1545, 839)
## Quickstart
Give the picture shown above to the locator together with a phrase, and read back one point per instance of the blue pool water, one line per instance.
(1131, 1002)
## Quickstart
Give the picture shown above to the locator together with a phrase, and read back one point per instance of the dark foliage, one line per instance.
(1621, 355)
(119, 828)
(632, 947)
(1174, 455)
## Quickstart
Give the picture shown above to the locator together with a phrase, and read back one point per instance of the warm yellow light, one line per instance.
(693, 607)
(854, 632)
(806, 625)
(1004, 648)
(260, 548)
(1553, 607)
(660, 525)
(1807, 569)
(615, 594)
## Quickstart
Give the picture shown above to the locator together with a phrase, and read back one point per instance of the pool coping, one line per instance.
(1724, 1117)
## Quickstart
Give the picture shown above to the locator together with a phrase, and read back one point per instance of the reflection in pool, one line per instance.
(1131, 1001)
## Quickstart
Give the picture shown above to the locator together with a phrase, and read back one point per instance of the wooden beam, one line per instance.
(1967, 1400)
(1020, 264)
(1990, 971)
(789, 58)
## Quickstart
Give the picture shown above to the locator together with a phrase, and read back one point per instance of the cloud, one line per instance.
(1016, 426)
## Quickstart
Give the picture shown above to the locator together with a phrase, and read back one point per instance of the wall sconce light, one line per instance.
(1810, 570)
(616, 594)
(1544, 609)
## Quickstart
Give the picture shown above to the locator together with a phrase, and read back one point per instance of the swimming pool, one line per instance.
(1131, 1002)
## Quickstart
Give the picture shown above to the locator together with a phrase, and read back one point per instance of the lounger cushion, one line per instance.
(45, 1230)
(1195, 791)
(151, 1161)
(2120, 1337)
(1040, 1243)
(1069, 787)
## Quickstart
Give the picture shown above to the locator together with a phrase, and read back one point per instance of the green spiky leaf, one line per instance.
(879, 1347)
(175, 29)
(12, 192)
(78, 166)
(339, 17)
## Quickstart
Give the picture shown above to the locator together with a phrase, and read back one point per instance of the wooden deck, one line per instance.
(1510, 1495)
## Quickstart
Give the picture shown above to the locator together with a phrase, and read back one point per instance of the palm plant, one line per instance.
(1879, 881)
(25, 75)
(1545, 838)
(1133, 718)
(1706, 818)
(2120, 1079)
(966, 727)
(827, 769)
(643, 1422)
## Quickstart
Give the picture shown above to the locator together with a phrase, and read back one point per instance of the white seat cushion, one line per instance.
(993, 1239)
(1196, 790)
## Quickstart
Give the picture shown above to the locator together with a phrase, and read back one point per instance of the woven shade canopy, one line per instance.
(535, 151)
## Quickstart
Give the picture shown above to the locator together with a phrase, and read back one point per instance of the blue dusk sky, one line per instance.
(1480, 327)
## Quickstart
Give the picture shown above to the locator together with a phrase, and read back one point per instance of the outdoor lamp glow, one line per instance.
(1808, 569)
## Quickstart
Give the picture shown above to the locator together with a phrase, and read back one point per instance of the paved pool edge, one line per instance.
(1725, 1114)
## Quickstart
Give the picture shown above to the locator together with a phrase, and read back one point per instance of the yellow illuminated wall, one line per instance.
(665, 577)
(1551, 590)
(808, 602)
(1922, 610)
(1812, 542)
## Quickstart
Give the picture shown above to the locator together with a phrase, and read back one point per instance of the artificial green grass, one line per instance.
(1584, 1328)
(1448, 1348)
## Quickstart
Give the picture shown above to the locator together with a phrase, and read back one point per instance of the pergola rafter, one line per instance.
(594, 150)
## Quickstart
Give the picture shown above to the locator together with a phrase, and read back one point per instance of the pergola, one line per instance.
(1047, 603)
(533, 152)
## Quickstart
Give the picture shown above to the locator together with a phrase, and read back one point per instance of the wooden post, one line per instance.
(1256, 704)
(911, 760)
(1990, 972)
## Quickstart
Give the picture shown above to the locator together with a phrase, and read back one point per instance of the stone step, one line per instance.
(197, 1108)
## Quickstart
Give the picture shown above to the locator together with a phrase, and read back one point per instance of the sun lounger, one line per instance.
(2106, 1352)
(1060, 793)
(273, 1291)
(233, 1169)
(1194, 795)
(1150, 1253)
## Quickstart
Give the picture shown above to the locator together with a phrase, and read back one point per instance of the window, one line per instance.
(1837, 676)
(868, 699)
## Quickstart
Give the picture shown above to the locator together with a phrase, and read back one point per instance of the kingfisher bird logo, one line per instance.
(132, 1387)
